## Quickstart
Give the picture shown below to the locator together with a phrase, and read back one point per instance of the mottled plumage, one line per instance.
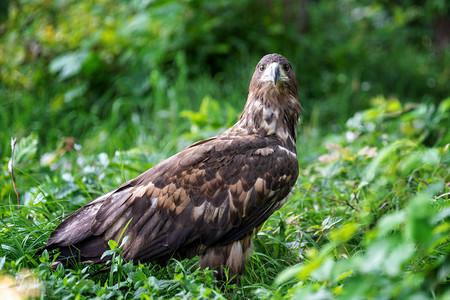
(210, 198)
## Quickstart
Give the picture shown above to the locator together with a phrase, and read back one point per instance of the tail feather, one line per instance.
(74, 237)
(89, 250)
(75, 228)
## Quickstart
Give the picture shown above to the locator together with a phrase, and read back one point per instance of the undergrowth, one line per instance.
(369, 217)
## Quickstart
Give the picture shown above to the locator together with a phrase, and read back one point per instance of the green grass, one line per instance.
(368, 217)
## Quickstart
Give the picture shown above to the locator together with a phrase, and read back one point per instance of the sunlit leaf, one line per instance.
(389, 222)
(112, 244)
(26, 149)
(372, 169)
(344, 233)
(68, 65)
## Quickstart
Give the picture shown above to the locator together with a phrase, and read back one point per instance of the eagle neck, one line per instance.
(275, 117)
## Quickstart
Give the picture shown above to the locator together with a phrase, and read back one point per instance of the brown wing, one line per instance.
(211, 193)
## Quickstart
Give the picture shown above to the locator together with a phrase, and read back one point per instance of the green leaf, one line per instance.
(26, 149)
(421, 214)
(389, 222)
(69, 64)
(373, 168)
(123, 231)
(112, 244)
(324, 272)
(107, 253)
(75, 92)
(376, 253)
(419, 160)
(125, 239)
(2, 261)
(444, 106)
(402, 253)
(344, 233)
(288, 274)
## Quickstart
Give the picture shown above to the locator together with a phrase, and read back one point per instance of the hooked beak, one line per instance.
(275, 73)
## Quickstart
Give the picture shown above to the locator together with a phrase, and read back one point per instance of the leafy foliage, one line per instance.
(370, 218)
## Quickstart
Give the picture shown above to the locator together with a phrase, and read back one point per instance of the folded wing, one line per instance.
(212, 193)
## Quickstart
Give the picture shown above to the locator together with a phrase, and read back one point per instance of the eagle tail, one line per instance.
(89, 250)
(73, 237)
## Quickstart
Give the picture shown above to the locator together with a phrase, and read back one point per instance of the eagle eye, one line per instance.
(262, 67)
(286, 67)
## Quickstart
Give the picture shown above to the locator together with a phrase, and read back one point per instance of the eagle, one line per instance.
(208, 200)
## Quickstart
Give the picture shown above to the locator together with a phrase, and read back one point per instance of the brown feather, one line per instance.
(207, 200)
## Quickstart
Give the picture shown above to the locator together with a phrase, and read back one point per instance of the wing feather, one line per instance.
(211, 193)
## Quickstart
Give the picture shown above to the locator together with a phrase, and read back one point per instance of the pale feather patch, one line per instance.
(282, 134)
(155, 192)
(270, 128)
(183, 195)
(164, 190)
(269, 122)
(142, 189)
(267, 75)
(198, 211)
(293, 154)
(229, 195)
(101, 198)
(246, 200)
(172, 188)
(113, 232)
(239, 187)
(260, 185)
(194, 156)
(236, 258)
(264, 151)
(230, 199)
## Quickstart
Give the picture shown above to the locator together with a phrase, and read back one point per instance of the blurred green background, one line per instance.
(116, 74)
(97, 91)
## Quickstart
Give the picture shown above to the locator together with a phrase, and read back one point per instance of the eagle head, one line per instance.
(274, 75)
